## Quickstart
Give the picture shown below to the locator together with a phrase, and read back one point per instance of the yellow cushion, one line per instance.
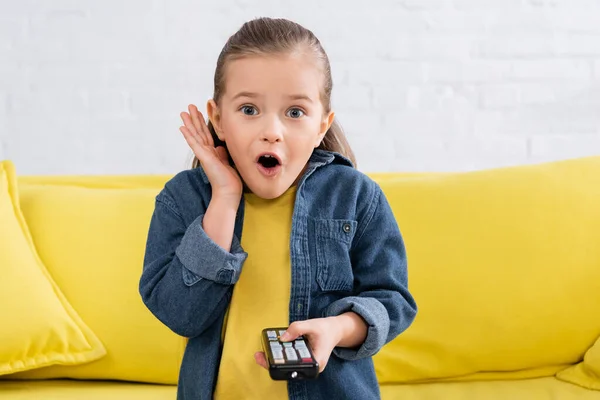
(91, 233)
(587, 372)
(504, 266)
(38, 327)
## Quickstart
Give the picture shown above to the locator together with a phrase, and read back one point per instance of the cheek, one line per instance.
(230, 119)
(310, 127)
(230, 130)
(226, 122)
(303, 144)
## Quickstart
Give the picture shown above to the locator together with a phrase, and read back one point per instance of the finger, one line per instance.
(322, 359)
(261, 360)
(187, 121)
(200, 124)
(322, 366)
(198, 134)
(296, 329)
(204, 126)
(191, 140)
(195, 119)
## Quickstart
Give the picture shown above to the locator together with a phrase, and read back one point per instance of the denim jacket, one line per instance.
(347, 254)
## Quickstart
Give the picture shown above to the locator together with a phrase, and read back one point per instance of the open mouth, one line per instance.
(269, 164)
(269, 161)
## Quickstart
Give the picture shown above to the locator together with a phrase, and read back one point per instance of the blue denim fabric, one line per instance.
(347, 254)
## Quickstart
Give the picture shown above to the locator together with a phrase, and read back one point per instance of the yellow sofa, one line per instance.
(504, 265)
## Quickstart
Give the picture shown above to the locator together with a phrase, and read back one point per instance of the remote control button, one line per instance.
(291, 354)
(304, 353)
(276, 347)
(272, 334)
(281, 333)
(279, 361)
(278, 355)
(299, 343)
(287, 344)
(307, 360)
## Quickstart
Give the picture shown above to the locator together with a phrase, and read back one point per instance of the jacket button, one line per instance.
(347, 227)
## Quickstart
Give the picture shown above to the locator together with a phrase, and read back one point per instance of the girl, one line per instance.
(273, 226)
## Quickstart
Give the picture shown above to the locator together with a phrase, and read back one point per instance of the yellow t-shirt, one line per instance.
(260, 299)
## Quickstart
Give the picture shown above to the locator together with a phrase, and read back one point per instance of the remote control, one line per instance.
(288, 360)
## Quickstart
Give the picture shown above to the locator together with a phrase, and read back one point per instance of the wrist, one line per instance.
(351, 329)
(340, 324)
(219, 221)
(226, 202)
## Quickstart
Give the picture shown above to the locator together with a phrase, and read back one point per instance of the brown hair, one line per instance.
(265, 36)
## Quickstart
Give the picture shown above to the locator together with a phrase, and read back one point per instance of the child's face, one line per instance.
(271, 106)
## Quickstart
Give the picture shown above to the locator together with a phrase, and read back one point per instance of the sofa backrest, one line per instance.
(504, 265)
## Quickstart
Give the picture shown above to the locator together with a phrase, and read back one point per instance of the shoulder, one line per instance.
(341, 175)
(342, 186)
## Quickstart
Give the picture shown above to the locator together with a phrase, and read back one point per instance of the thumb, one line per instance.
(295, 329)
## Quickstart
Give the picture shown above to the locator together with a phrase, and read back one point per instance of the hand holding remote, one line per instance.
(323, 334)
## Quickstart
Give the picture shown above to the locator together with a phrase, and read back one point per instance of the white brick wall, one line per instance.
(97, 86)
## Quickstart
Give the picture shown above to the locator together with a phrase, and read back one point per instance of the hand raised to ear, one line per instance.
(224, 179)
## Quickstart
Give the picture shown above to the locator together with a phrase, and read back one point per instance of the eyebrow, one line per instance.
(254, 95)
(300, 97)
(244, 94)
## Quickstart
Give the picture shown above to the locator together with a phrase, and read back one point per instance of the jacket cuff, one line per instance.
(378, 324)
(206, 259)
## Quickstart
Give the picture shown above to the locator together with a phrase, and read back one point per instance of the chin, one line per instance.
(267, 193)
(267, 190)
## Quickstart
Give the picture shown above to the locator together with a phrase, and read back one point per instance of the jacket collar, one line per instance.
(323, 157)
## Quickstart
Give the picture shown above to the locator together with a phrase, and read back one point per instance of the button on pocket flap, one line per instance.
(336, 229)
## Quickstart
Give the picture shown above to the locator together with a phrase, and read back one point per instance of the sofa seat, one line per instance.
(65, 389)
(548, 388)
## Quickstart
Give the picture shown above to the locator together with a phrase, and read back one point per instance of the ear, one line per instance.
(325, 125)
(214, 115)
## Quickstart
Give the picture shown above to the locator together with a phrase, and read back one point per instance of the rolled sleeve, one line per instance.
(206, 259)
(376, 317)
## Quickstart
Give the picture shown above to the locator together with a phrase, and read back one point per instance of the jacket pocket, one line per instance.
(333, 241)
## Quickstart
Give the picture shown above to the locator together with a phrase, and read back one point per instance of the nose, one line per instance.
(272, 131)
